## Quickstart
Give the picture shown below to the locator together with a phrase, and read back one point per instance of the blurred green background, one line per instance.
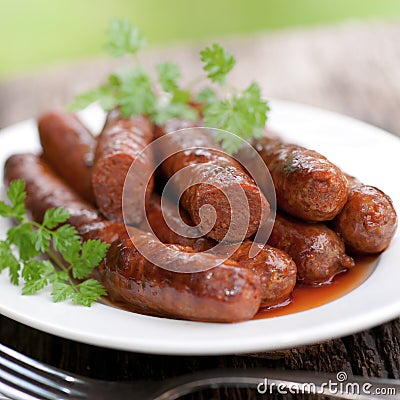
(37, 33)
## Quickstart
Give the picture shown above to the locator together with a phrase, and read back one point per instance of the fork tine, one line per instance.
(20, 358)
(23, 386)
(28, 374)
(13, 393)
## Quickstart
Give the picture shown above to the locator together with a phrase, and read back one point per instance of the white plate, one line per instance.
(362, 150)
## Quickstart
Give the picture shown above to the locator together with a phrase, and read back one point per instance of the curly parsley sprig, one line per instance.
(135, 92)
(49, 253)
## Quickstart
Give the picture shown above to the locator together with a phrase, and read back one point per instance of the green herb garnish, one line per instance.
(135, 91)
(50, 253)
(218, 62)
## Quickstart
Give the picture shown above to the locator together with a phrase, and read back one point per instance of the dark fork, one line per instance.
(23, 378)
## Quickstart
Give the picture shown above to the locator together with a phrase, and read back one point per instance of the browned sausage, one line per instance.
(317, 251)
(165, 234)
(218, 175)
(118, 146)
(68, 146)
(275, 269)
(225, 293)
(368, 220)
(307, 185)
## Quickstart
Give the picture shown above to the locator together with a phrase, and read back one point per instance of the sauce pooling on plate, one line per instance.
(307, 297)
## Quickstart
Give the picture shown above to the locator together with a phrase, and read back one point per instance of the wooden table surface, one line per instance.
(352, 68)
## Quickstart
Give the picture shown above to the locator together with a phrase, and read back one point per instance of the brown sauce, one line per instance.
(306, 297)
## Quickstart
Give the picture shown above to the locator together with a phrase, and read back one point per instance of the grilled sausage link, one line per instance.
(317, 251)
(225, 293)
(118, 146)
(276, 271)
(68, 146)
(368, 220)
(210, 177)
(274, 268)
(308, 186)
(167, 234)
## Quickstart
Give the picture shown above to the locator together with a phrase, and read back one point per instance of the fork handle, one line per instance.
(335, 386)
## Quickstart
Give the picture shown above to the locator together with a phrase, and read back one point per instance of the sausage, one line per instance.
(68, 146)
(317, 251)
(225, 293)
(212, 178)
(307, 185)
(368, 220)
(162, 230)
(119, 145)
(45, 190)
(275, 269)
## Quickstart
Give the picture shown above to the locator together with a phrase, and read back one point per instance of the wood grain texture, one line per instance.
(353, 69)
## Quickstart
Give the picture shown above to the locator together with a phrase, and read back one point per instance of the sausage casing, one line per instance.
(307, 185)
(275, 269)
(118, 146)
(368, 220)
(68, 146)
(212, 178)
(225, 293)
(317, 251)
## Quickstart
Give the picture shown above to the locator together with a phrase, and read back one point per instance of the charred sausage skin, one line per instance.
(368, 220)
(68, 146)
(225, 293)
(308, 186)
(317, 251)
(119, 145)
(218, 174)
(275, 269)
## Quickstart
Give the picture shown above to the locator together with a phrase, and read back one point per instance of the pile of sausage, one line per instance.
(324, 216)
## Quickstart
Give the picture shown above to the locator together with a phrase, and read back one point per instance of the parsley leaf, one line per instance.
(244, 115)
(35, 276)
(16, 194)
(124, 38)
(64, 238)
(54, 217)
(89, 291)
(135, 92)
(61, 291)
(168, 75)
(5, 210)
(206, 96)
(174, 110)
(218, 63)
(104, 94)
(41, 238)
(8, 260)
(92, 253)
(28, 242)
(21, 236)
(135, 95)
